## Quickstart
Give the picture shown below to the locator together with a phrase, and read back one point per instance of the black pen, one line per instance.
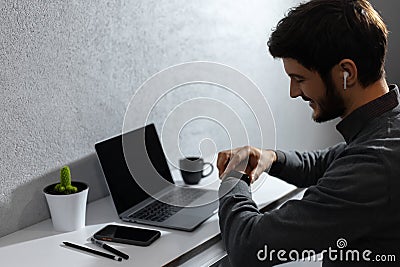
(109, 248)
(72, 245)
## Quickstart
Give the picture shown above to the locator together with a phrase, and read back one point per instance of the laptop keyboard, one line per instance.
(182, 196)
(156, 211)
(159, 211)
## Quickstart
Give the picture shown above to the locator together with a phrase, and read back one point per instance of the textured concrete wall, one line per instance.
(69, 68)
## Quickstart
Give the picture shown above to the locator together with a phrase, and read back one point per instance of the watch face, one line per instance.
(246, 178)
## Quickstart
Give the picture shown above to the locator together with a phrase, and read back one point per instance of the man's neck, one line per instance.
(359, 96)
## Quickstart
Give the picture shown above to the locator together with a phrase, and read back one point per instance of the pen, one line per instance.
(72, 245)
(109, 248)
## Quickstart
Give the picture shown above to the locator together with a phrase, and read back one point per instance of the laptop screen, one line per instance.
(147, 163)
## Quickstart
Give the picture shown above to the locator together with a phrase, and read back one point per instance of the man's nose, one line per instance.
(294, 90)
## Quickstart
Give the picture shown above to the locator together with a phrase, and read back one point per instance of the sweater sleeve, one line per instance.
(345, 203)
(303, 169)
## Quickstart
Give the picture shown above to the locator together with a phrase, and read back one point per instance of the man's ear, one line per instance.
(348, 72)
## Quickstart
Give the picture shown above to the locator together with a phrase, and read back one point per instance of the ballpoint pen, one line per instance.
(109, 248)
(72, 245)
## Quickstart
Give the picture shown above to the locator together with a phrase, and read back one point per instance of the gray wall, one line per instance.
(389, 11)
(69, 68)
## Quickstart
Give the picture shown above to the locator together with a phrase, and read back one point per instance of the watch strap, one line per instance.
(240, 176)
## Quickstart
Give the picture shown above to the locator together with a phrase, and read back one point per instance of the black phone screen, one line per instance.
(125, 234)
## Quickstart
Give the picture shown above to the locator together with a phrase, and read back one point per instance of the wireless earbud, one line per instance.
(345, 76)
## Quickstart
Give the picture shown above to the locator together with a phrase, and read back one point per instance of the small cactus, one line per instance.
(65, 187)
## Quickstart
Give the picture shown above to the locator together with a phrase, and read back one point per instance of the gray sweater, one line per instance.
(352, 201)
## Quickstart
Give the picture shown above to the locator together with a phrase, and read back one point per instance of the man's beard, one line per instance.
(332, 106)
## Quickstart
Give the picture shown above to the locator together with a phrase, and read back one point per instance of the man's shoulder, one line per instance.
(381, 131)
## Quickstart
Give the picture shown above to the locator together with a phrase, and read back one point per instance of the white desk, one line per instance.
(40, 245)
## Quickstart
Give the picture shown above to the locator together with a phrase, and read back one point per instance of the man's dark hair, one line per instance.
(320, 33)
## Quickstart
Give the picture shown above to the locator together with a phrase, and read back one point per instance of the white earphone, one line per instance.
(345, 76)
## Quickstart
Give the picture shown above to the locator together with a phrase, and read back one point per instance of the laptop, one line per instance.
(141, 185)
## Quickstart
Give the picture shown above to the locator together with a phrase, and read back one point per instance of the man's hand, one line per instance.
(250, 160)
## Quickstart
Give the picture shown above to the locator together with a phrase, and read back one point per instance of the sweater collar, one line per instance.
(350, 126)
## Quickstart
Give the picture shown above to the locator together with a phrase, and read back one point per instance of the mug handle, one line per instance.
(212, 169)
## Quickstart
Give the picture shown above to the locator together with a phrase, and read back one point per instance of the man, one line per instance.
(334, 53)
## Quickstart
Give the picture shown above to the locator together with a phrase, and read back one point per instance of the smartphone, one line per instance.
(127, 235)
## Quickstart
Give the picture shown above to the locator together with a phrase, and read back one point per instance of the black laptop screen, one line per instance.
(147, 163)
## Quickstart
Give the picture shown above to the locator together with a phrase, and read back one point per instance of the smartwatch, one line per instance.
(239, 175)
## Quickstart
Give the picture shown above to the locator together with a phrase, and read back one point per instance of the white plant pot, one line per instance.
(68, 212)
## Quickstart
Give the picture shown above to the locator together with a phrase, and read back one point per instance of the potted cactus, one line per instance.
(67, 202)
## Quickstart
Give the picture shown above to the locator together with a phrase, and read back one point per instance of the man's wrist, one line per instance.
(274, 156)
(279, 162)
